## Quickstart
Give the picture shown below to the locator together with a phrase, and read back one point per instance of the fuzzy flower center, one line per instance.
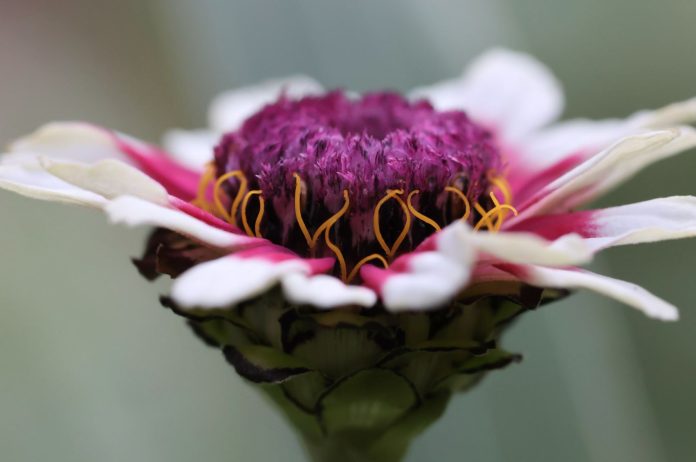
(360, 179)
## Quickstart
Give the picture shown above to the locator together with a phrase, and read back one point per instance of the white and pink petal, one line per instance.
(549, 153)
(230, 109)
(606, 170)
(134, 211)
(193, 149)
(574, 278)
(442, 266)
(649, 221)
(110, 178)
(87, 143)
(246, 274)
(36, 183)
(510, 92)
(324, 291)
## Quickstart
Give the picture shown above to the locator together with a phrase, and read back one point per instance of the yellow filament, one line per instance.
(298, 211)
(369, 258)
(462, 196)
(232, 215)
(206, 178)
(492, 219)
(392, 194)
(245, 222)
(485, 218)
(498, 210)
(419, 215)
(259, 217)
(504, 187)
(328, 224)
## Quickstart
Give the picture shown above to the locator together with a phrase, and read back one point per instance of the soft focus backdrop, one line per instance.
(92, 369)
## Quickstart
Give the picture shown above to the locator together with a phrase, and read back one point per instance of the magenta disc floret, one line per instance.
(368, 146)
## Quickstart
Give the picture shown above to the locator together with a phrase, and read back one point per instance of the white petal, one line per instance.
(527, 248)
(192, 149)
(77, 141)
(587, 137)
(507, 90)
(682, 112)
(432, 280)
(626, 292)
(649, 221)
(133, 211)
(229, 280)
(608, 169)
(229, 110)
(109, 178)
(38, 184)
(325, 291)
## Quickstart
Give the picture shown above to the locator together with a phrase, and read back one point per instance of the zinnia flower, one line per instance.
(362, 253)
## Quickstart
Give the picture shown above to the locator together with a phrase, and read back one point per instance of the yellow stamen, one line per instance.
(496, 210)
(328, 224)
(245, 222)
(369, 258)
(419, 215)
(504, 187)
(462, 196)
(333, 219)
(206, 178)
(391, 194)
(501, 214)
(298, 211)
(259, 217)
(232, 215)
(485, 218)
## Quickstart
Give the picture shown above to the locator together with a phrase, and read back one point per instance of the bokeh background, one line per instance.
(91, 368)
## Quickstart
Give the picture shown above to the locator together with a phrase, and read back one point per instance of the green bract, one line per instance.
(358, 385)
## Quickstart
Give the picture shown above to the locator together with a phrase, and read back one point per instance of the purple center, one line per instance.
(366, 146)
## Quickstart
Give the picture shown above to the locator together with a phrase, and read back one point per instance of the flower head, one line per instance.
(404, 201)
(422, 223)
(356, 179)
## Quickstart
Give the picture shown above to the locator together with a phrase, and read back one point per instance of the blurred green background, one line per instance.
(92, 369)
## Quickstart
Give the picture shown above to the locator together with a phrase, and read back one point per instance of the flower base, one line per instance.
(359, 385)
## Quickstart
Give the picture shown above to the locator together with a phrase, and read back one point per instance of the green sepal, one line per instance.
(366, 402)
(263, 364)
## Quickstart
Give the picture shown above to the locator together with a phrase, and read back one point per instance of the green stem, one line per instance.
(389, 446)
(333, 449)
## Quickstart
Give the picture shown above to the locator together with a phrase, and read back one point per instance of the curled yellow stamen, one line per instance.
(259, 217)
(232, 215)
(298, 211)
(369, 258)
(206, 178)
(326, 227)
(419, 215)
(504, 187)
(391, 194)
(485, 218)
(462, 196)
(496, 210)
(245, 221)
